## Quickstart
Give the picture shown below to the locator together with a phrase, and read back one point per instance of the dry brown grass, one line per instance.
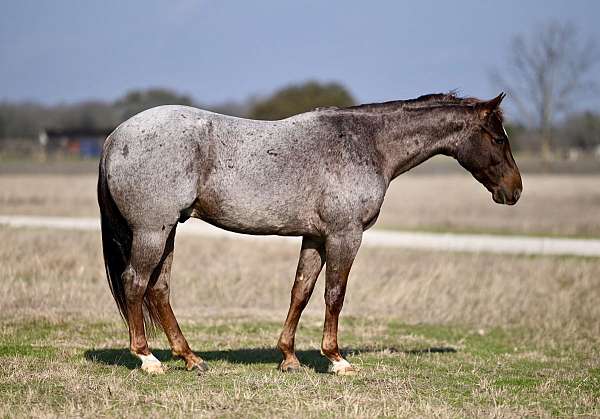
(60, 273)
(64, 195)
(551, 204)
(525, 329)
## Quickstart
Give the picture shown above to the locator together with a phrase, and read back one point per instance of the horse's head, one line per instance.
(485, 152)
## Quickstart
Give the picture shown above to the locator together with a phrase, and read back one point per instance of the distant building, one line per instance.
(73, 142)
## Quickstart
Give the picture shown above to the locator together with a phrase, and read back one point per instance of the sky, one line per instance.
(219, 50)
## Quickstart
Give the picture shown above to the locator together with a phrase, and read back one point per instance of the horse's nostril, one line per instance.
(517, 194)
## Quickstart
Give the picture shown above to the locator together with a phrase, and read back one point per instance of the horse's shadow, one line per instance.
(310, 358)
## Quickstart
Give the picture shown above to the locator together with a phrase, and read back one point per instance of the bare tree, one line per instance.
(546, 73)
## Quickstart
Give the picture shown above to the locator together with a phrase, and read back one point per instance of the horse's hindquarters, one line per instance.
(151, 179)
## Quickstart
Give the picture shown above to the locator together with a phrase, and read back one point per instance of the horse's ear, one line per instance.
(486, 108)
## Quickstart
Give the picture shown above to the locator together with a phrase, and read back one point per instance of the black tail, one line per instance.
(116, 241)
(116, 245)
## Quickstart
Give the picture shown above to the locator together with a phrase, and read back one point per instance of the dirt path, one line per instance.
(373, 238)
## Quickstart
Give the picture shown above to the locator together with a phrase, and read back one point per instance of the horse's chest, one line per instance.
(370, 210)
(356, 202)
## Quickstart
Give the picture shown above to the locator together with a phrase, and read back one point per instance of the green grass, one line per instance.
(66, 368)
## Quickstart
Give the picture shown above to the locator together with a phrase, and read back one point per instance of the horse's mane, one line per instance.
(424, 101)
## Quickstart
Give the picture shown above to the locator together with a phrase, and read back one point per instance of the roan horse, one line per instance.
(321, 175)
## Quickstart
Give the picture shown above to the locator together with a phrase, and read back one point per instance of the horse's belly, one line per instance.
(246, 214)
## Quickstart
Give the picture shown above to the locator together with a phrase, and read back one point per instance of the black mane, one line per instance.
(423, 101)
(429, 99)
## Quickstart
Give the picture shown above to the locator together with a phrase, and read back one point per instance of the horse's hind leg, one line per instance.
(158, 298)
(340, 248)
(147, 251)
(312, 258)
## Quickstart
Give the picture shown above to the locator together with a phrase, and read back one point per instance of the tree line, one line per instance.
(548, 73)
(26, 120)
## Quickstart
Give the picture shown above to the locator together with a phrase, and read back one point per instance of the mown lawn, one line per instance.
(50, 368)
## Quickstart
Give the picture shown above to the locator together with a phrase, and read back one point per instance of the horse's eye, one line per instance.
(499, 140)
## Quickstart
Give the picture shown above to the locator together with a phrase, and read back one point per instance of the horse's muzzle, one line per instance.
(502, 196)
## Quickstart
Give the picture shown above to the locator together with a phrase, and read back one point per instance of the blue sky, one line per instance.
(65, 51)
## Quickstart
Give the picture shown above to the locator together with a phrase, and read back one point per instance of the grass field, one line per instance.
(434, 334)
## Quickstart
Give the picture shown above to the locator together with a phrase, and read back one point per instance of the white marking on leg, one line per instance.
(341, 366)
(150, 364)
(149, 359)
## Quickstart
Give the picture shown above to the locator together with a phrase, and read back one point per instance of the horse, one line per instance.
(321, 175)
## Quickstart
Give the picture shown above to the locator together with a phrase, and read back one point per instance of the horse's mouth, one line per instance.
(502, 197)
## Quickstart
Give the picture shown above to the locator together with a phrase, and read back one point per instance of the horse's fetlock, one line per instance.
(180, 349)
(285, 344)
(329, 350)
(138, 349)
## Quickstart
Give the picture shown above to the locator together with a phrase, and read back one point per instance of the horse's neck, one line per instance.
(408, 138)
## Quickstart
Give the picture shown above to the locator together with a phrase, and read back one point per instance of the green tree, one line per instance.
(92, 115)
(299, 98)
(580, 131)
(138, 100)
(26, 120)
(516, 132)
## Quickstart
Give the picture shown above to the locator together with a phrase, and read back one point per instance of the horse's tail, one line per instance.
(116, 239)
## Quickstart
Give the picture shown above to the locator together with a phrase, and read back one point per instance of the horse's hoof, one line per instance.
(346, 371)
(200, 368)
(153, 368)
(342, 367)
(289, 366)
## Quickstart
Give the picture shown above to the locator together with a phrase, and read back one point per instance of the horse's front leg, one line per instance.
(312, 258)
(340, 250)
